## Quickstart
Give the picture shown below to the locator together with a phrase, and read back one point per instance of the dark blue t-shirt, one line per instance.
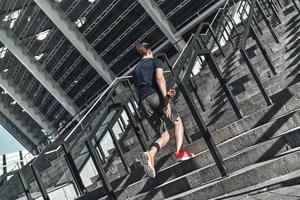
(144, 77)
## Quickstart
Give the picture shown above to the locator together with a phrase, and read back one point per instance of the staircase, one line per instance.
(260, 150)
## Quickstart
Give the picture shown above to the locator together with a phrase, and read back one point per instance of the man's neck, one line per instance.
(147, 57)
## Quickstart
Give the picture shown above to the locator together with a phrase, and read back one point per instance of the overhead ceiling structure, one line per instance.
(56, 56)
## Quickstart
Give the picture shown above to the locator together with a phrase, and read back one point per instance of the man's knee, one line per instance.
(165, 136)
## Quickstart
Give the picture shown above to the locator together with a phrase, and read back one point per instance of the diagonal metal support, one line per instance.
(26, 104)
(16, 133)
(13, 118)
(163, 23)
(22, 54)
(70, 31)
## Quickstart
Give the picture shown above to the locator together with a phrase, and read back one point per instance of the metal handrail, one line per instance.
(223, 10)
(248, 25)
(110, 88)
(115, 82)
(91, 104)
(96, 101)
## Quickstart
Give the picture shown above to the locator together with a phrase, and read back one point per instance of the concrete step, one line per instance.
(252, 96)
(227, 148)
(282, 183)
(243, 80)
(229, 143)
(246, 92)
(245, 177)
(193, 169)
(250, 156)
(271, 47)
(223, 119)
(267, 115)
(248, 88)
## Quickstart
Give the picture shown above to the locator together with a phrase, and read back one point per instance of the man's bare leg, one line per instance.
(178, 132)
(158, 144)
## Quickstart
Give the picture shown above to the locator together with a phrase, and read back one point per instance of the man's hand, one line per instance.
(171, 92)
(167, 110)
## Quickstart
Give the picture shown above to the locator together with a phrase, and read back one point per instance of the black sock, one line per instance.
(156, 146)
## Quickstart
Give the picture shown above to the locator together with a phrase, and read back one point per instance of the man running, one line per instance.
(154, 102)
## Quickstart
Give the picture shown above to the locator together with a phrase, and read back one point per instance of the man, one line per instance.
(154, 102)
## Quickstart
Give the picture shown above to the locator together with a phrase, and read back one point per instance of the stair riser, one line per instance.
(271, 130)
(254, 176)
(244, 88)
(197, 178)
(284, 97)
(244, 92)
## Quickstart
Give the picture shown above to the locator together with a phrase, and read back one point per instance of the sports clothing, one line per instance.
(152, 106)
(183, 155)
(144, 77)
(149, 170)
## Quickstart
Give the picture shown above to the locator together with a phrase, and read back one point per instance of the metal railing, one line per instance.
(72, 149)
(68, 143)
(249, 30)
(202, 45)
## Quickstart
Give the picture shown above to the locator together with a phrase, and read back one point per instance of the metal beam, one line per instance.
(186, 28)
(19, 96)
(201, 17)
(19, 124)
(15, 131)
(163, 23)
(23, 55)
(70, 31)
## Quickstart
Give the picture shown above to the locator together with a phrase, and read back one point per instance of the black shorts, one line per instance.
(153, 107)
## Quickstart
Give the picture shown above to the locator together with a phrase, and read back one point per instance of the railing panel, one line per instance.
(12, 188)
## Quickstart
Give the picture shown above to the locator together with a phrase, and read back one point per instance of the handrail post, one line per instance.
(233, 24)
(266, 6)
(296, 5)
(73, 169)
(225, 29)
(121, 125)
(24, 184)
(192, 83)
(216, 40)
(263, 50)
(119, 150)
(278, 2)
(256, 24)
(39, 181)
(100, 170)
(139, 118)
(203, 129)
(255, 75)
(135, 127)
(122, 121)
(274, 8)
(218, 74)
(198, 97)
(267, 21)
(102, 154)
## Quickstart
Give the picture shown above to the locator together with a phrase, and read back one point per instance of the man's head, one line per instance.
(144, 50)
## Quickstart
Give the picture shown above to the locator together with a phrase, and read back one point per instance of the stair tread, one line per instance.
(234, 174)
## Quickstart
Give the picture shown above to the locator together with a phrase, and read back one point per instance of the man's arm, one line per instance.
(161, 82)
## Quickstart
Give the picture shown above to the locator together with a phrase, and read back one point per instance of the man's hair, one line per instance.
(142, 48)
